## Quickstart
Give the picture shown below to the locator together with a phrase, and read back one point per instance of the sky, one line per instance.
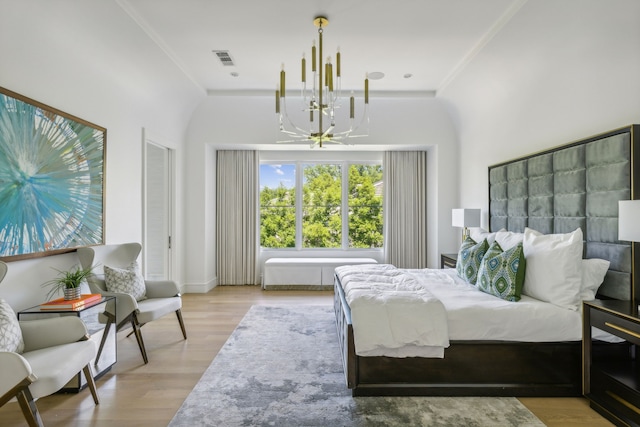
(273, 175)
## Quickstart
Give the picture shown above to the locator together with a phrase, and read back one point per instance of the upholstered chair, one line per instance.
(138, 301)
(38, 357)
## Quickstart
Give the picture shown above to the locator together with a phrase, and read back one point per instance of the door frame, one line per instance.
(150, 138)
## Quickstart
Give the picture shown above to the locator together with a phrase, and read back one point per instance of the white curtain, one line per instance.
(236, 213)
(405, 208)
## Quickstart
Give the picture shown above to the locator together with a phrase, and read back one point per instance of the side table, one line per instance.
(448, 260)
(89, 315)
(611, 383)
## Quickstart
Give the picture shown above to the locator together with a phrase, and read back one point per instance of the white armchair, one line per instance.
(55, 350)
(162, 296)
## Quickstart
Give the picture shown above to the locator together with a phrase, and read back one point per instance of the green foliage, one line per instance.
(322, 202)
(365, 206)
(322, 209)
(278, 217)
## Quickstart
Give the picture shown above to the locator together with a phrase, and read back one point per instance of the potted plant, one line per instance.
(69, 282)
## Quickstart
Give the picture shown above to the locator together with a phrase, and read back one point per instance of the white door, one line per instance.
(158, 201)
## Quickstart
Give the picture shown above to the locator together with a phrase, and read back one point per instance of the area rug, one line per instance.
(282, 367)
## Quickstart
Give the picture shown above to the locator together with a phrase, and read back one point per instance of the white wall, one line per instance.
(63, 54)
(559, 71)
(249, 122)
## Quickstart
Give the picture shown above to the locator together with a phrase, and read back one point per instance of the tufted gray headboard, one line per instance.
(575, 185)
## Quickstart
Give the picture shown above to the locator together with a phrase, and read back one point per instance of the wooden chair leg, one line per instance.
(184, 331)
(138, 333)
(29, 408)
(105, 334)
(88, 374)
(140, 325)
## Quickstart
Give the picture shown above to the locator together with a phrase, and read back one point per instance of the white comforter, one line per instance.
(391, 309)
(404, 313)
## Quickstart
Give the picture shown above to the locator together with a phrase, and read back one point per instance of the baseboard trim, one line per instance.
(199, 288)
(298, 287)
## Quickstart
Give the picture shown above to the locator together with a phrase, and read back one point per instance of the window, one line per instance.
(365, 206)
(335, 205)
(322, 206)
(277, 206)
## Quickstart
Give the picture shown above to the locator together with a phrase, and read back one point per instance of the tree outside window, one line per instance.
(322, 206)
(277, 206)
(365, 206)
(331, 195)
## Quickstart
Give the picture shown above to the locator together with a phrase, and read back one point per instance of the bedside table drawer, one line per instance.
(448, 260)
(615, 393)
(615, 325)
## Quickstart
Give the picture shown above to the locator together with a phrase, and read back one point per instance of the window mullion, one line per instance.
(299, 203)
(345, 205)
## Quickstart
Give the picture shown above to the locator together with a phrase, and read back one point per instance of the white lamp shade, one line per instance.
(629, 220)
(465, 217)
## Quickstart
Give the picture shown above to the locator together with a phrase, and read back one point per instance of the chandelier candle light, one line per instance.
(323, 99)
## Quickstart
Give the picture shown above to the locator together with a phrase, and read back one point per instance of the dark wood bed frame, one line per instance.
(483, 368)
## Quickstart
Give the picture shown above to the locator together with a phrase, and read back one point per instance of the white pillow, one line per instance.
(479, 234)
(593, 272)
(554, 267)
(125, 280)
(508, 239)
(10, 332)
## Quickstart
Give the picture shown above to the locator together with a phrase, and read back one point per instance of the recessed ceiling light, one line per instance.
(376, 75)
(408, 76)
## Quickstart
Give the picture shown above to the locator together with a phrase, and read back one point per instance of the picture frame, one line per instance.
(52, 179)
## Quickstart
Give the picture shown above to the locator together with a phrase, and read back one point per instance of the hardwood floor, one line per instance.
(134, 394)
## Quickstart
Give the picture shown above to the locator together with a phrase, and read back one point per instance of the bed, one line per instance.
(573, 186)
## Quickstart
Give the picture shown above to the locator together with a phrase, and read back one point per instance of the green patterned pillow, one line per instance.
(502, 272)
(469, 259)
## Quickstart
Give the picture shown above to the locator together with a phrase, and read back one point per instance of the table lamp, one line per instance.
(465, 218)
(629, 220)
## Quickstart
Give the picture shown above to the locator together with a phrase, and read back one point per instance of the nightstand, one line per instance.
(89, 315)
(611, 382)
(448, 260)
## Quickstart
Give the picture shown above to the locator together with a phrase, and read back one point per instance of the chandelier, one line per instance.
(321, 100)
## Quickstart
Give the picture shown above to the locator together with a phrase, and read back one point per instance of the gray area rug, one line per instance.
(282, 367)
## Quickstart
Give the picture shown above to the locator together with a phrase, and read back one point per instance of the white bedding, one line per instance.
(377, 295)
(393, 312)
(475, 315)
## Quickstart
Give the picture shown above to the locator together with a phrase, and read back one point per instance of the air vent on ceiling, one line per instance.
(224, 57)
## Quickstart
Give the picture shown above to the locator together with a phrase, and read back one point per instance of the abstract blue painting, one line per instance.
(51, 179)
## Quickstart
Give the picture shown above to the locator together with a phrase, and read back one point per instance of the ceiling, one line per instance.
(428, 40)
